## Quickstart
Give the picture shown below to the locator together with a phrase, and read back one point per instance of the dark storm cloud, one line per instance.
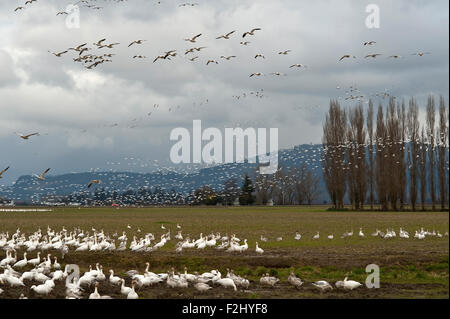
(78, 109)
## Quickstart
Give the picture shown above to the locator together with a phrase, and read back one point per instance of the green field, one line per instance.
(410, 268)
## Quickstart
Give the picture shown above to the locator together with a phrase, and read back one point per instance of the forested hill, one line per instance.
(29, 187)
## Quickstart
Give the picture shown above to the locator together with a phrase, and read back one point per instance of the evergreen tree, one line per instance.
(247, 197)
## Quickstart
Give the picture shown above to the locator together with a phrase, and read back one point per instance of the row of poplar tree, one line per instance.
(388, 160)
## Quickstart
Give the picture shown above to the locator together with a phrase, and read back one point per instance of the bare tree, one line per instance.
(311, 187)
(381, 155)
(442, 153)
(401, 165)
(356, 138)
(422, 168)
(264, 187)
(431, 122)
(393, 153)
(413, 132)
(299, 178)
(231, 191)
(334, 154)
(370, 175)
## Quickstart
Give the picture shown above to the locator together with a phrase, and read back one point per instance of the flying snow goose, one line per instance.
(3, 171)
(26, 137)
(42, 176)
(136, 42)
(226, 36)
(251, 32)
(94, 181)
(193, 39)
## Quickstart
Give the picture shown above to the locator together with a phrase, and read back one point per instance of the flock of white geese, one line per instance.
(45, 272)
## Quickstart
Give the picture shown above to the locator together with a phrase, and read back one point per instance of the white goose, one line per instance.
(294, 280)
(42, 289)
(322, 285)
(21, 263)
(114, 280)
(227, 283)
(13, 281)
(202, 287)
(361, 234)
(7, 260)
(259, 250)
(56, 265)
(132, 294)
(268, 280)
(351, 284)
(95, 294)
(35, 261)
(124, 290)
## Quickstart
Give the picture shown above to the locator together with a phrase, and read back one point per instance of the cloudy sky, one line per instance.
(98, 119)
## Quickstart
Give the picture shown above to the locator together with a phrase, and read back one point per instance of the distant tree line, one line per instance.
(388, 159)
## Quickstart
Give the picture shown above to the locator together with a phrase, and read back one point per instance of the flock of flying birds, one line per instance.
(93, 60)
(84, 55)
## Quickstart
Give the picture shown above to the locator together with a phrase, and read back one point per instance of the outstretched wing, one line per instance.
(29, 135)
(45, 172)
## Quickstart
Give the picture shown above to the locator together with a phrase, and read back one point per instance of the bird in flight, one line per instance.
(297, 66)
(99, 42)
(188, 4)
(193, 59)
(42, 176)
(212, 61)
(227, 57)
(62, 13)
(421, 53)
(284, 52)
(3, 171)
(347, 56)
(166, 55)
(225, 36)
(369, 43)
(193, 39)
(94, 181)
(139, 57)
(136, 42)
(26, 137)
(252, 32)
(260, 56)
(395, 56)
(245, 43)
(372, 55)
(94, 65)
(78, 48)
(256, 74)
(58, 54)
(110, 46)
(18, 8)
